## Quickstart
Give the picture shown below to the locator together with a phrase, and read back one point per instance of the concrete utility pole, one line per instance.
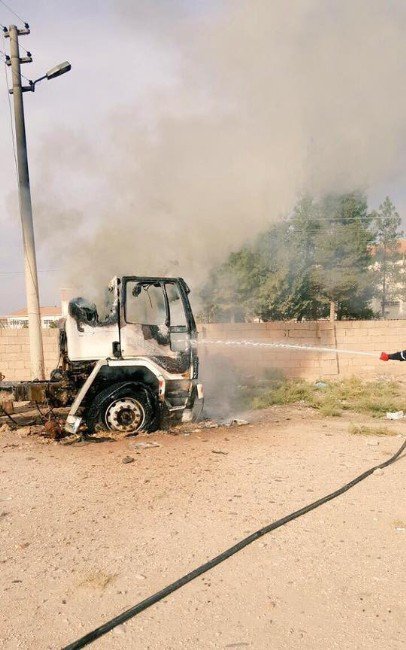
(30, 262)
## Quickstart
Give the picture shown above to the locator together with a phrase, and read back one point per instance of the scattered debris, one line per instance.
(397, 415)
(127, 459)
(53, 428)
(235, 422)
(210, 424)
(321, 385)
(31, 430)
(4, 428)
(144, 445)
(219, 451)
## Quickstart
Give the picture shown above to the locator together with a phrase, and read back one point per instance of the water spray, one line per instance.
(284, 346)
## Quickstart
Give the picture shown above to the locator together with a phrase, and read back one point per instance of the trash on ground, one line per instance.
(210, 424)
(144, 445)
(396, 415)
(321, 385)
(235, 422)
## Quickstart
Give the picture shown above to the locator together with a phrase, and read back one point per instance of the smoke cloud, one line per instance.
(267, 100)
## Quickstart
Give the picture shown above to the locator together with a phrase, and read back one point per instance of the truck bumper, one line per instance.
(72, 423)
(192, 414)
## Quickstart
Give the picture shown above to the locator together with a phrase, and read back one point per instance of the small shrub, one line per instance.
(374, 398)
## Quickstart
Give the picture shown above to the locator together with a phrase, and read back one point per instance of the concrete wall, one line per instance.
(369, 336)
(15, 352)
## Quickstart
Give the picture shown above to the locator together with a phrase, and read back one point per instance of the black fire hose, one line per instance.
(151, 600)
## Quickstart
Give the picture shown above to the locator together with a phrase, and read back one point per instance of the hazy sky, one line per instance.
(110, 67)
(130, 73)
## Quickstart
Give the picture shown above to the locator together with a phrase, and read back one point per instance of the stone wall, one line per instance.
(368, 336)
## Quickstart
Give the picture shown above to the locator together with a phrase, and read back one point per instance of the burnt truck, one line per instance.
(132, 368)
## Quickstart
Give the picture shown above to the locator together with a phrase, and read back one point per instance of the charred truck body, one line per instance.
(130, 370)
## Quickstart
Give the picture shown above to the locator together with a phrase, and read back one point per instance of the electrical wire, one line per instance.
(7, 58)
(31, 271)
(19, 44)
(13, 12)
(45, 416)
(14, 422)
(13, 139)
(7, 273)
(207, 566)
(5, 29)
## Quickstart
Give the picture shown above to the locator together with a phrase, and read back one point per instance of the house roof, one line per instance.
(401, 247)
(45, 312)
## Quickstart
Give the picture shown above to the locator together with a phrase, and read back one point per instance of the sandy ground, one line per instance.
(85, 536)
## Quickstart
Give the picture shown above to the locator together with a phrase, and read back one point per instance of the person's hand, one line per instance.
(384, 356)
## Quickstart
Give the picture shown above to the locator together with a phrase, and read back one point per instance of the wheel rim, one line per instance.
(125, 414)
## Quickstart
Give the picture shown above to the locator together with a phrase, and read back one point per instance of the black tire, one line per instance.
(123, 407)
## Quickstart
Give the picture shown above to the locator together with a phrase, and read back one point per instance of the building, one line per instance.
(396, 290)
(19, 319)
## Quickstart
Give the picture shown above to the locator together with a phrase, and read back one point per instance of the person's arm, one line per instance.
(395, 356)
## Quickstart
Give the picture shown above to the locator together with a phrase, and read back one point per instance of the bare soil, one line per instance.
(84, 536)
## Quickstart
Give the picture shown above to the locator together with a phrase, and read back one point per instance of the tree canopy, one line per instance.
(319, 255)
(388, 273)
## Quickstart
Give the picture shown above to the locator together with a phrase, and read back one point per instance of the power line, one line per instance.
(7, 58)
(11, 117)
(21, 46)
(4, 273)
(13, 12)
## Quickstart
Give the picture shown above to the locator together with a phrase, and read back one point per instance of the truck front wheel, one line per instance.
(125, 408)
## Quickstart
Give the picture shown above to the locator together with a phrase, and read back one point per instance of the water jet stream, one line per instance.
(284, 346)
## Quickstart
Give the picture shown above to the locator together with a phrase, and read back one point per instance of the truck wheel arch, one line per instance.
(128, 399)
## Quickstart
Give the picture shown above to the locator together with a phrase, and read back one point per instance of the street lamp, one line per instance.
(52, 73)
(30, 261)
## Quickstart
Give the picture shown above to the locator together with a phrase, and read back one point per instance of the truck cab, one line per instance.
(135, 366)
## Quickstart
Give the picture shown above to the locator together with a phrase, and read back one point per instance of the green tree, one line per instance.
(299, 266)
(386, 223)
(343, 255)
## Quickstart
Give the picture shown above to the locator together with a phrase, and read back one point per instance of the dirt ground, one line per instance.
(84, 536)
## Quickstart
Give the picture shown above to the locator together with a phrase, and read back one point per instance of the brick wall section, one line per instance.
(369, 336)
(15, 352)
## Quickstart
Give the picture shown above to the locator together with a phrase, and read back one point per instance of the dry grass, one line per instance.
(362, 430)
(332, 398)
(98, 579)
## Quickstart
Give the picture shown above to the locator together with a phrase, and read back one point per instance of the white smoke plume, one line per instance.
(268, 99)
